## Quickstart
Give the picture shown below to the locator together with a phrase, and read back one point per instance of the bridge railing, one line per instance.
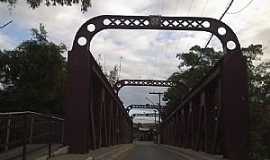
(95, 116)
(19, 129)
(213, 116)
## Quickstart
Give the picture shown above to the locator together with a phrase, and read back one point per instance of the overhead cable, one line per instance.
(240, 10)
(223, 14)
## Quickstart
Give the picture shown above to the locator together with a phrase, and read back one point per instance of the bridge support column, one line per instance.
(235, 106)
(77, 121)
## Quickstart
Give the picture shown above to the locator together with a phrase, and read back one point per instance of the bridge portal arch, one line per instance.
(90, 28)
(145, 82)
(86, 79)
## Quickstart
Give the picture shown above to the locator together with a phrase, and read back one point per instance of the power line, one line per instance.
(223, 14)
(148, 99)
(6, 24)
(240, 10)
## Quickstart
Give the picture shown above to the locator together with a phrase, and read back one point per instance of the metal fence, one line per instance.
(94, 115)
(20, 129)
(213, 117)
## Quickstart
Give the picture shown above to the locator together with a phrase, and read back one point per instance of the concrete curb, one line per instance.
(62, 150)
(113, 154)
(189, 154)
(110, 153)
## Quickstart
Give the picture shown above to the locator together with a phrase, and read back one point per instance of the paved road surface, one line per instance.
(149, 151)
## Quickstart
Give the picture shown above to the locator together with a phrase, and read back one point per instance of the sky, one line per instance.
(145, 54)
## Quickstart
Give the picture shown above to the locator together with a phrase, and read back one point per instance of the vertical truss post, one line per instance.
(235, 110)
(78, 96)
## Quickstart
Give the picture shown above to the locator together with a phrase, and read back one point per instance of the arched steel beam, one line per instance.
(145, 82)
(161, 109)
(145, 106)
(89, 29)
(144, 115)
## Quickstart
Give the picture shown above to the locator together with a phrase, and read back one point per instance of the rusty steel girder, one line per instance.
(145, 106)
(160, 109)
(223, 32)
(214, 114)
(144, 82)
(84, 124)
(145, 115)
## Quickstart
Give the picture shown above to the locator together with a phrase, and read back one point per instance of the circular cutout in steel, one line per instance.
(222, 31)
(231, 45)
(206, 24)
(91, 27)
(82, 41)
(146, 22)
(106, 22)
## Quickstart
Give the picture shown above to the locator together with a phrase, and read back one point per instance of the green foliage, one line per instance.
(85, 4)
(193, 66)
(113, 76)
(196, 64)
(32, 75)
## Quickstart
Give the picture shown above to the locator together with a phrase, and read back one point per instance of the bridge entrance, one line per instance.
(152, 131)
(213, 116)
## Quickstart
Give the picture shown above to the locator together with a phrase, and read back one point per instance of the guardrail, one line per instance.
(19, 129)
(92, 109)
(213, 116)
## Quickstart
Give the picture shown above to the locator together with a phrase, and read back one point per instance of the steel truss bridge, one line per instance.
(146, 106)
(140, 82)
(161, 109)
(145, 114)
(212, 117)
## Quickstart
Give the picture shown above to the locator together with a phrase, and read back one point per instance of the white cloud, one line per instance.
(5, 42)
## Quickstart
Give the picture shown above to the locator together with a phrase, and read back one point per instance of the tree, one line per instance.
(113, 75)
(197, 62)
(85, 4)
(32, 75)
(192, 67)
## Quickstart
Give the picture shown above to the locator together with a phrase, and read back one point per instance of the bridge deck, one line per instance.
(148, 150)
(140, 150)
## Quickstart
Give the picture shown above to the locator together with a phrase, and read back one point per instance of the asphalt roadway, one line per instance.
(149, 151)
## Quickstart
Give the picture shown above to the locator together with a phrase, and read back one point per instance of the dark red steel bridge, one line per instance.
(212, 117)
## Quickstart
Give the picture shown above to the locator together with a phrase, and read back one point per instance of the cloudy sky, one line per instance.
(146, 54)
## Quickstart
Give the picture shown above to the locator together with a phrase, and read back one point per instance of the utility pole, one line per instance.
(155, 117)
(155, 139)
(159, 108)
(159, 101)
